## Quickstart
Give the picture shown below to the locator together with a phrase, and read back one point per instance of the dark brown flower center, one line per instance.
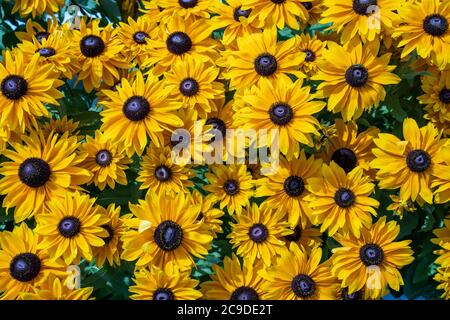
(435, 25)
(265, 64)
(303, 286)
(244, 293)
(357, 76)
(371, 254)
(34, 172)
(345, 158)
(294, 186)
(168, 235)
(344, 197)
(14, 87)
(178, 43)
(418, 160)
(92, 46)
(25, 267)
(136, 108)
(69, 227)
(258, 232)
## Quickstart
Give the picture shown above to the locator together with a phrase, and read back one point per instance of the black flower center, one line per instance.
(293, 237)
(345, 158)
(178, 43)
(231, 187)
(189, 87)
(371, 254)
(25, 267)
(357, 75)
(281, 113)
(136, 108)
(92, 46)
(41, 35)
(435, 25)
(34, 172)
(244, 293)
(278, 1)
(14, 87)
(307, 5)
(418, 160)
(294, 186)
(310, 56)
(163, 173)
(258, 232)
(187, 3)
(303, 286)
(163, 294)
(217, 126)
(110, 231)
(361, 7)
(238, 12)
(168, 235)
(140, 37)
(344, 197)
(265, 64)
(46, 52)
(69, 227)
(353, 296)
(444, 96)
(103, 158)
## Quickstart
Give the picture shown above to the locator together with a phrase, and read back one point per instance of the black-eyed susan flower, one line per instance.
(208, 214)
(259, 56)
(284, 106)
(180, 38)
(105, 161)
(159, 172)
(193, 84)
(54, 50)
(165, 283)
(99, 53)
(408, 164)
(436, 99)
(312, 47)
(36, 7)
(348, 148)
(61, 127)
(373, 260)
(258, 233)
(234, 281)
(286, 188)
(34, 29)
(71, 227)
(353, 78)
(368, 19)
(111, 250)
(134, 36)
(424, 28)
(443, 278)
(441, 174)
(315, 9)
(163, 230)
(297, 275)
(341, 201)
(53, 288)
(184, 8)
(25, 86)
(136, 110)
(279, 13)
(443, 241)
(232, 186)
(236, 21)
(41, 169)
(307, 237)
(23, 265)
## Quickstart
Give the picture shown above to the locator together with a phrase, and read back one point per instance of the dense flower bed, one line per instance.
(354, 96)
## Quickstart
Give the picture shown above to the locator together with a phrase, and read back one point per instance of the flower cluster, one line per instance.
(354, 96)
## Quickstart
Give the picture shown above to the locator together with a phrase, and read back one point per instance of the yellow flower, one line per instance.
(341, 201)
(235, 281)
(259, 56)
(353, 78)
(41, 169)
(55, 289)
(231, 185)
(408, 164)
(258, 233)
(25, 87)
(70, 228)
(297, 275)
(372, 260)
(105, 161)
(164, 230)
(165, 283)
